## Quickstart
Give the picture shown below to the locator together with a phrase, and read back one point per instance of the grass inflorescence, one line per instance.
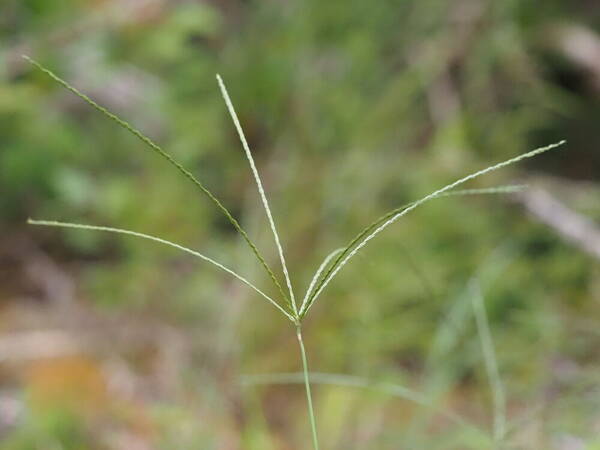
(328, 269)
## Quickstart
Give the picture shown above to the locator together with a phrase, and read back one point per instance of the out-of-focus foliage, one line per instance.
(351, 108)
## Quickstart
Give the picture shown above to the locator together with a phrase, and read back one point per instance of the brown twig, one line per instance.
(575, 228)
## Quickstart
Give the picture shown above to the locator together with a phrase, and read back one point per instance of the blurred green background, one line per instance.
(351, 108)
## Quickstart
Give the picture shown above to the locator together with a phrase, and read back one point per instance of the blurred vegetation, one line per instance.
(351, 108)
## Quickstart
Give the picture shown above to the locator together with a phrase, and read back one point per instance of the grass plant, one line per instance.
(490, 362)
(330, 267)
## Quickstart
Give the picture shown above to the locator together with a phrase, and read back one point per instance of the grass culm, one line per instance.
(286, 302)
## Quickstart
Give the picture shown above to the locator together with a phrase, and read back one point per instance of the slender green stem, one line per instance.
(311, 412)
(352, 381)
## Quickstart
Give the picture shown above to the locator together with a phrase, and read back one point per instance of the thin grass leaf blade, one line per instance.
(490, 360)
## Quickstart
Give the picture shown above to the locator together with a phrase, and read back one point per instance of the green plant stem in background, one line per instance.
(334, 379)
(490, 361)
(311, 413)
